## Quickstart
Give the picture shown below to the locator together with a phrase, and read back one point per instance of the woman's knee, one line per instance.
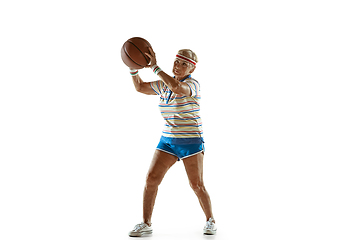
(197, 186)
(152, 180)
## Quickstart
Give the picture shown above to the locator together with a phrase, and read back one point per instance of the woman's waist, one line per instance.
(177, 122)
(182, 141)
(181, 117)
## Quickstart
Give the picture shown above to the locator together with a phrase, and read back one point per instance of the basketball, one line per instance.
(133, 53)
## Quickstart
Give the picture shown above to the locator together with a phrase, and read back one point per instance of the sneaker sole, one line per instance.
(139, 234)
(209, 232)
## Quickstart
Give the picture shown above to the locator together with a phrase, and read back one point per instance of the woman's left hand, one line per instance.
(152, 58)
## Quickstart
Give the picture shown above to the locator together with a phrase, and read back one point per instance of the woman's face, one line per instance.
(182, 68)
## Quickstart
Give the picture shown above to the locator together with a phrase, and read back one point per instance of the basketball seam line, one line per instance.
(131, 58)
(140, 52)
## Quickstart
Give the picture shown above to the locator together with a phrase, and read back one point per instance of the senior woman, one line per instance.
(182, 135)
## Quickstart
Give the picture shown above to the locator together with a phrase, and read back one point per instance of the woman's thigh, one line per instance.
(194, 168)
(160, 164)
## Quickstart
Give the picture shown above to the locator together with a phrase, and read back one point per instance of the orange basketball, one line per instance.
(133, 53)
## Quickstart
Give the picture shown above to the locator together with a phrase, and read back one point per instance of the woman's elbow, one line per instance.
(138, 88)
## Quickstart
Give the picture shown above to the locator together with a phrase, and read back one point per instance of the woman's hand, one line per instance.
(152, 58)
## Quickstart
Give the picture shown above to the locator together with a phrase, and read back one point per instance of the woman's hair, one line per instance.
(188, 53)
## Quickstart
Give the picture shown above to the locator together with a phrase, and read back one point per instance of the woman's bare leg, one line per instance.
(194, 170)
(160, 164)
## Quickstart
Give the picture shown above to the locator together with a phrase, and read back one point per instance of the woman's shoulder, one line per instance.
(193, 80)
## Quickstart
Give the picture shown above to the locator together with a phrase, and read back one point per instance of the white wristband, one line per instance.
(134, 72)
(156, 69)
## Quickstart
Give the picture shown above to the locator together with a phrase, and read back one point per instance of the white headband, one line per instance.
(186, 59)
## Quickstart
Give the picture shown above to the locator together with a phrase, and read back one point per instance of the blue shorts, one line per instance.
(181, 147)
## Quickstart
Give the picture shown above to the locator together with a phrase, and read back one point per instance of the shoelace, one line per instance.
(139, 226)
(209, 225)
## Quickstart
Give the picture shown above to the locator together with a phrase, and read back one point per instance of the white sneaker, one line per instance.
(210, 227)
(140, 229)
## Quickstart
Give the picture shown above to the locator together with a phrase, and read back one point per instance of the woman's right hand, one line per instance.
(152, 57)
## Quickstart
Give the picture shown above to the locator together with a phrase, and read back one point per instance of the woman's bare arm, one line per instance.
(176, 87)
(141, 86)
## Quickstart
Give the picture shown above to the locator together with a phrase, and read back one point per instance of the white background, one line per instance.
(280, 108)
